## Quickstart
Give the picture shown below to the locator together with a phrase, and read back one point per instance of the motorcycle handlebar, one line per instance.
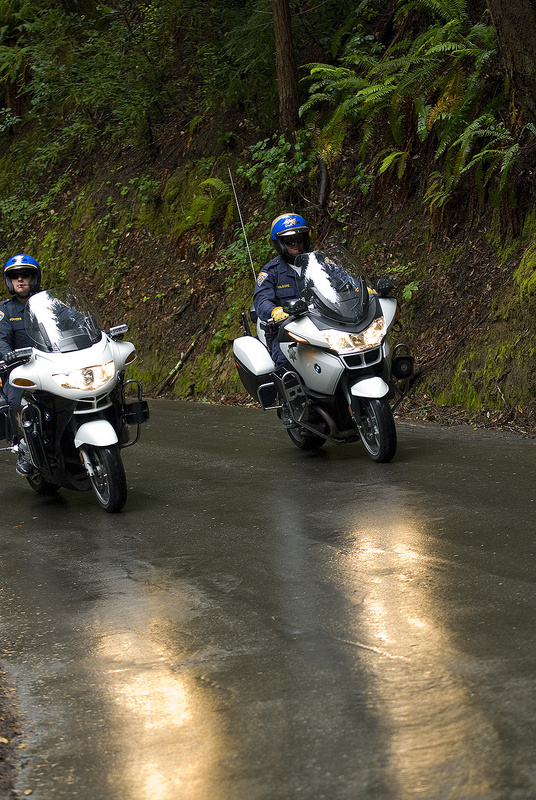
(14, 358)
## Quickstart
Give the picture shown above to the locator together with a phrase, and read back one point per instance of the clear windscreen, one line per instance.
(328, 285)
(61, 321)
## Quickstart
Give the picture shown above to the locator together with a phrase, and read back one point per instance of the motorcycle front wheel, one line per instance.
(108, 481)
(304, 439)
(377, 429)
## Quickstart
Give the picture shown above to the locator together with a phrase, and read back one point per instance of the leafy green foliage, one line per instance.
(214, 197)
(247, 253)
(276, 165)
(434, 91)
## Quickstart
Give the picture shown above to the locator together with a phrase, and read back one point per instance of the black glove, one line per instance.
(10, 358)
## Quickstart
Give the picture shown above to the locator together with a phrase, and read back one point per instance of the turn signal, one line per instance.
(296, 338)
(23, 382)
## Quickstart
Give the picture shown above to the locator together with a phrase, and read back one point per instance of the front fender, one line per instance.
(370, 387)
(97, 432)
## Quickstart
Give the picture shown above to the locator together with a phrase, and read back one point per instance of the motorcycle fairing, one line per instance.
(323, 369)
(63, 363)
(388, 306)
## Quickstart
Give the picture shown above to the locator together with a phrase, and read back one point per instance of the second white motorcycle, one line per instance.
(75, 416)
(344, 377)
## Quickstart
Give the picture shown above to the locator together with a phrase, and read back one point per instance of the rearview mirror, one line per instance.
(295, 307)
(24, 352)
(384, 286)
(118, 331)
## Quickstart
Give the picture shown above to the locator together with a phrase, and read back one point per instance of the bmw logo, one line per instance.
(318, 369)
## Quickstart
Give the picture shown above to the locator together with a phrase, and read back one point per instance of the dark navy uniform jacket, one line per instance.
(12, 332)
(276, 282)
(12, 336)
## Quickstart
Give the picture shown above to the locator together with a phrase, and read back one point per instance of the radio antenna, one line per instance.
(243, 226)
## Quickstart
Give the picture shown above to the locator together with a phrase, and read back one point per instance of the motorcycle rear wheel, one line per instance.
(304, 439)
(109, 481)
(377, 429)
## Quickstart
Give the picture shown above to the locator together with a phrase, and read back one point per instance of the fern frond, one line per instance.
(397, 157)
(442, 9)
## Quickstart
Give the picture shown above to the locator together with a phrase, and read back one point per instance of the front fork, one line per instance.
(88, 466)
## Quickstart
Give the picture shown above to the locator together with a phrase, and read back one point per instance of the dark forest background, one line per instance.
(403, 129)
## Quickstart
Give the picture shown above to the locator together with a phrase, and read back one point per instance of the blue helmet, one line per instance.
(22, 263)
(286, 225)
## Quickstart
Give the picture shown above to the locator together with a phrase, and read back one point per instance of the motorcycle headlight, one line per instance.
(343, 342)
(88, 379)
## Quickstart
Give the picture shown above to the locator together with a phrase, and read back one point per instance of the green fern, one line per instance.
(215, 196)
(396, 158)
(432, 86)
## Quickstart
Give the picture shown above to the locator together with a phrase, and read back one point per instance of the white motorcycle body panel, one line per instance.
(370, 388)
(254, 355)
(388, 305)
(260, 332)
(306, 329)
(320, 370)
(42, 366)
(97, 432)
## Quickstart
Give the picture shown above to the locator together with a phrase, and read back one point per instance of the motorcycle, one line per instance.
(75, 416)
(344, 378)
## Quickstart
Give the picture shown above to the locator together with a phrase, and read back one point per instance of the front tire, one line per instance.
(377, 429)
(109, 481)
(304, 439)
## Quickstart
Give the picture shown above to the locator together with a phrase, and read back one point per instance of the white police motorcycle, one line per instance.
(75, 417)
(344, 378)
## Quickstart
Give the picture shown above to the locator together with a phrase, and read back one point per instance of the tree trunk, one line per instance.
(287, 74)
(515, 25)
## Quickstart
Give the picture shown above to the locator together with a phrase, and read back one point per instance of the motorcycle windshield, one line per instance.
(61, 321)
(333, 291)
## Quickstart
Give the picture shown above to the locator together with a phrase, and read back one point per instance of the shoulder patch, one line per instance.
(2, 315)
(261, 277)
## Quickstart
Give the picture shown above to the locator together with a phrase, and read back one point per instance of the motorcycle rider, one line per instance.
(279, 279)
(22, 275)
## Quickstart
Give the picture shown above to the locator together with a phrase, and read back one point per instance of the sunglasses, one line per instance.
(26, 273)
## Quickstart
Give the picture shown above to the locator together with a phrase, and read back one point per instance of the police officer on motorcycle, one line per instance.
(22, 275)
(279, 279)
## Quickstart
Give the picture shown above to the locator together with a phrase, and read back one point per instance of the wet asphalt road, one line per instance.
(267, 624)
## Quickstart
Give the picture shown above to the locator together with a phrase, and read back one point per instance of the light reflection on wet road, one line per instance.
(268, 624)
